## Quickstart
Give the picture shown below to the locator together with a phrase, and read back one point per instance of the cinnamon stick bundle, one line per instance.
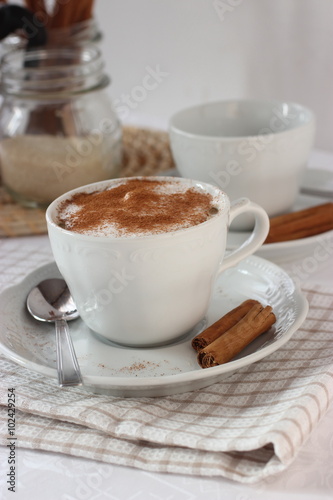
(257, 321)
(301, 224)
(64, 13)
(222, 325)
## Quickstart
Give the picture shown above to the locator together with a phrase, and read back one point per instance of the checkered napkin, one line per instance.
(246, 427)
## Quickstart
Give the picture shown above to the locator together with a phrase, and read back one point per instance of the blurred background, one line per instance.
(163, 55)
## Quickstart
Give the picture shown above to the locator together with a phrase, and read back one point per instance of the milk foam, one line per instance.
(70, 211)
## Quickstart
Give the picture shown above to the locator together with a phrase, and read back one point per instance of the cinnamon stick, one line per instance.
(257, 321)
(222, 325)
(88, 12)
(62, 14)
(65, 13)
(301, 224)
(82, 12)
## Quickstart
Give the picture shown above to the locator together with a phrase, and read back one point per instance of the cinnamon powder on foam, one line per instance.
(136, 207)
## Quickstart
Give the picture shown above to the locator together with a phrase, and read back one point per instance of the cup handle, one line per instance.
(256, 238)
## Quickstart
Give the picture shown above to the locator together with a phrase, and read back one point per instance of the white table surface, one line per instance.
(52, 476)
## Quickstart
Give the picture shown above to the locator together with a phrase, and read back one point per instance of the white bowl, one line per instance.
(253, 148)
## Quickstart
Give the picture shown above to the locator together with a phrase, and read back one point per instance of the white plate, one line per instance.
(122, 371)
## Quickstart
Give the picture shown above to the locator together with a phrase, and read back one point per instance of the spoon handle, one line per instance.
(68, 368)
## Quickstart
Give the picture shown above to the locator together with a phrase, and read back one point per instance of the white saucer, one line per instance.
(119, 371)
(286, 251)
(316, 180)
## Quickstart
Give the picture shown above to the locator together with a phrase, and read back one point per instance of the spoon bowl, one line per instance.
(51, 301)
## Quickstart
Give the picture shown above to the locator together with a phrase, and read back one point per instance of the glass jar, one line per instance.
(58, 129)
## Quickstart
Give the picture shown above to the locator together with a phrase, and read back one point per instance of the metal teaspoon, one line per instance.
(51, 301)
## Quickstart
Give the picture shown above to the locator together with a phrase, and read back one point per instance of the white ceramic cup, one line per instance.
(149, 290)
(253, 148)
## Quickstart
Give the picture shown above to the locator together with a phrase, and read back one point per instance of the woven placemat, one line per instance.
(145, 152)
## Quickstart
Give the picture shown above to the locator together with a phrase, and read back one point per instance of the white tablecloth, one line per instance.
(55, 476)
